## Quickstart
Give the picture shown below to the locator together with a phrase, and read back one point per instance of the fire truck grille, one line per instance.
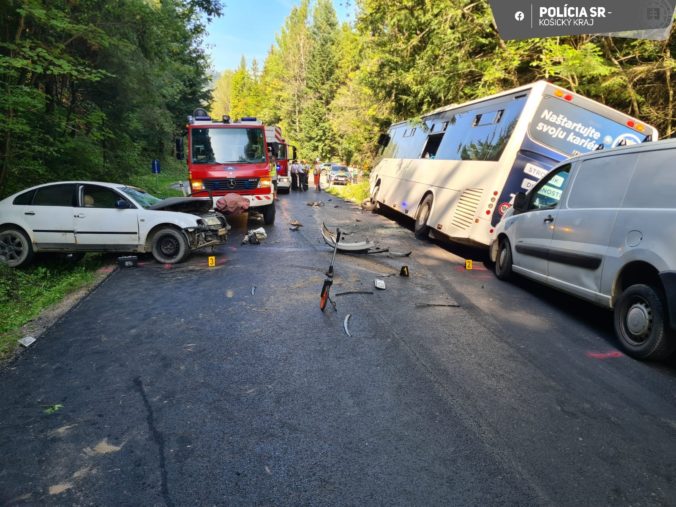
(231, 184)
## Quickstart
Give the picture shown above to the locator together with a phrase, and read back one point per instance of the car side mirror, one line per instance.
(520, 202)
(122, 204)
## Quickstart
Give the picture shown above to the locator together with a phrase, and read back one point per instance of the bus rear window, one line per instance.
(572, 130)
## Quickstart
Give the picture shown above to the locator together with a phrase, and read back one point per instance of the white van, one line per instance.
(602, 226)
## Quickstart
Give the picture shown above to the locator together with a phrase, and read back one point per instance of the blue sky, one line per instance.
(249, 27)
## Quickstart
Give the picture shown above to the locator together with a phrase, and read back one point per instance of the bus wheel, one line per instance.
(421, 229)
(640, 325)
(269, 214)
(503, 261)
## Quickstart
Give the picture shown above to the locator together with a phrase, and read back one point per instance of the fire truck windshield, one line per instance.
(228, 145)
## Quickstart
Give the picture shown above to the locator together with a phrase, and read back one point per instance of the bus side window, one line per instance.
(433, 143)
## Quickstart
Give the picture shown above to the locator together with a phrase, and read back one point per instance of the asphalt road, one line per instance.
(226, 385)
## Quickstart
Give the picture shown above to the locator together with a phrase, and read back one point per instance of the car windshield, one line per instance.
(141, 196)
(339, 169)
(228, 145)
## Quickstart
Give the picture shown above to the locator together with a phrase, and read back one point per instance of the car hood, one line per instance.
(194, 205)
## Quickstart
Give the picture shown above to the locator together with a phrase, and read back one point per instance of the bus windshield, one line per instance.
(572, 130)
(227, 145)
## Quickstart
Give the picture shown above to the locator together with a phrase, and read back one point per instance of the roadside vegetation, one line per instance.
(355, 192)
(25, 293)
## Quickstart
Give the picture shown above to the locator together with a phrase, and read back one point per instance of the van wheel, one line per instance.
(421, 229)
(639, 323)
(170, 246)
(16, 249)
(269, 214)
(503, 261)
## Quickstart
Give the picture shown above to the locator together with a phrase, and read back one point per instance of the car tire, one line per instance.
(503, 260)
(16, 249)
(421, 229)
(269, 214)
(170, 246)
(640, 324)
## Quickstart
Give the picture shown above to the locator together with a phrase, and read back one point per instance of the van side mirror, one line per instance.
(180, 155)
(383, 140)
(520, 202)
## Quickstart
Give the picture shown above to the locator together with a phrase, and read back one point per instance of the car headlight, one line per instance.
(212, 220)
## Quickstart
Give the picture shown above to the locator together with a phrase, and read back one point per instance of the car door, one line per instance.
(100, 225)
(531, 231)
(49, 215)
(583, 224)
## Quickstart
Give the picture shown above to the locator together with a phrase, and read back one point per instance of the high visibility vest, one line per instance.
(273, 170)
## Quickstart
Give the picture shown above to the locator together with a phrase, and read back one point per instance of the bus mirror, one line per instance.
(179, 148)
(293, 150)
(383, 140)
(520, 202)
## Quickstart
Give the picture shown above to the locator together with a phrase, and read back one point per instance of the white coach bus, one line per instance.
(456, 169)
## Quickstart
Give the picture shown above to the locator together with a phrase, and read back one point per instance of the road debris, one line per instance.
(27, 341)
(358, 246)
(255, 236)
(404, 271)
(316, 204)
(127, 261)
(354, 292)
(432, 305)
(345, 322)
(253, 290)
(379, 283)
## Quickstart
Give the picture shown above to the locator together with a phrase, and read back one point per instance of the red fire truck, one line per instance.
(279, 149)
(230, 157)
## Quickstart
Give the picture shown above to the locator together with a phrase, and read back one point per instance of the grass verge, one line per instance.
(25, 293)
(355, 192)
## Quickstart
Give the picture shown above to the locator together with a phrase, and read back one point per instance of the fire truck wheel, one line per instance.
(170, 246)
(269, 214)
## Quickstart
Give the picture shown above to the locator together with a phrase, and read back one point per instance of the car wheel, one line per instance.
(16, 250)
(170, 246)
(421, 229)
(269, 214)
(640, 324)
(503, 261)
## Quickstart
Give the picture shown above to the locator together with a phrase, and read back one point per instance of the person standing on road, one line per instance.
(317, 172)
(295, 185)
(302, 171)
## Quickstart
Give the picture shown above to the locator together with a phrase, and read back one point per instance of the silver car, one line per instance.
(602, 227)
(84, 216)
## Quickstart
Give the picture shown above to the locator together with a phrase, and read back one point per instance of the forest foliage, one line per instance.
(333, 87)
(96, 89)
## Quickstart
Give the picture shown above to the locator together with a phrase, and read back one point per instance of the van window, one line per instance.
(654, 181)
(602, 182)
(547, 193)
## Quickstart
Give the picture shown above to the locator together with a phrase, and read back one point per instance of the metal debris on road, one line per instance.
(380, 284)
(253, 290)
(404, 271)
(347, 319)
(354, 292)
(432, 305)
